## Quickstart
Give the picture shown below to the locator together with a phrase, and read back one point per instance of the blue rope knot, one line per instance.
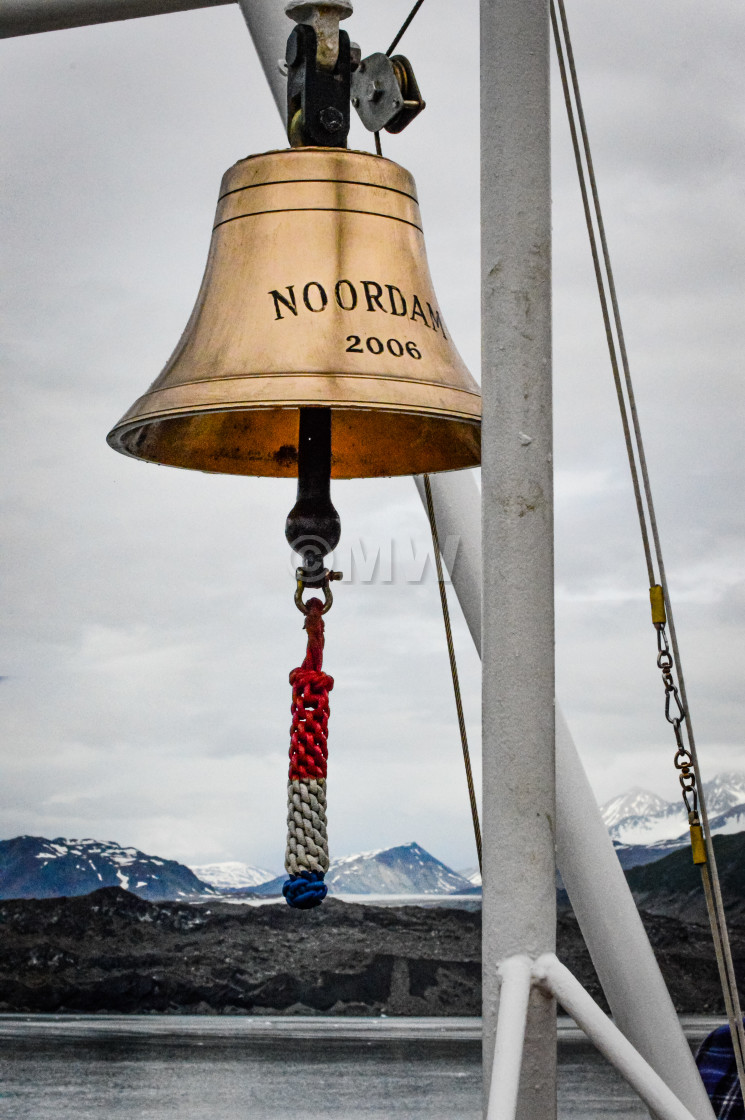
(306, 890)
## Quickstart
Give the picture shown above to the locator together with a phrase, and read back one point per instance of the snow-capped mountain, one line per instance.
(725, 791)
(406, 869)
(473, 875)
(34, 867)
(232, 875)
(640, 817)
(667, 823)
(637, 802)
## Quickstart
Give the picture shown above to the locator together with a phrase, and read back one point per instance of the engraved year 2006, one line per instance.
(375, 346)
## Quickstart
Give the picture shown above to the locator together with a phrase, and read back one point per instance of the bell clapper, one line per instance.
(313, 527)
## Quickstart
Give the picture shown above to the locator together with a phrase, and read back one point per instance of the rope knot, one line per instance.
(305, 891)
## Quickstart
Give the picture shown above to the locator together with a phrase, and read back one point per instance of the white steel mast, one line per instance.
(519, 799)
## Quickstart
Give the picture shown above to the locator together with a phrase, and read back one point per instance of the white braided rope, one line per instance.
(307, 840)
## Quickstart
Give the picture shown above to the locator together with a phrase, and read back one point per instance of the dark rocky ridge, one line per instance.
(111, 951)
(672, 886)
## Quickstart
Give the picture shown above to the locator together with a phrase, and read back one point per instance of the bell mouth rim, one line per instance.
(414, 441)
(124, 426)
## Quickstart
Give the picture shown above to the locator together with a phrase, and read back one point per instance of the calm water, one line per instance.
(222, 1068)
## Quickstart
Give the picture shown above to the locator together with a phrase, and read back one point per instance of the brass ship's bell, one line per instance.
(316, 294)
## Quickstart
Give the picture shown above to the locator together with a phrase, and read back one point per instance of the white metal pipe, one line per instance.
(270, 29)
(457, 503)
(609, 1040)
(596, 885)
(29, 17)
(516, 977)
(519, 811)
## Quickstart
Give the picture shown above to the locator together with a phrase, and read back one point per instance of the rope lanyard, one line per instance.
(677, 710)
(307, 854)
(453, 667)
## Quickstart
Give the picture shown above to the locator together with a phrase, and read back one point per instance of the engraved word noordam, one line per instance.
(364, 295)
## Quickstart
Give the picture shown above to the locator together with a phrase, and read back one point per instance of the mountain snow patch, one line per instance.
(232, 875)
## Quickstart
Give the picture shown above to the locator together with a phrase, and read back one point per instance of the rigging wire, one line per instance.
(647, 516)
(438, 562)
(404, 27)
(453, 666)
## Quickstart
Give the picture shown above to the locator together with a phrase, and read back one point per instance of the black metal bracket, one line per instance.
(317, 100)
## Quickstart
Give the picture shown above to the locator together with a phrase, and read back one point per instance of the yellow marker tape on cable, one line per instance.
(698, 847)
(657, 599)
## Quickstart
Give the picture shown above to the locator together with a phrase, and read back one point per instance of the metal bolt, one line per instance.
(331, 119)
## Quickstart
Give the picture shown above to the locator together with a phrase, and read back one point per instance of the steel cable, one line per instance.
(647, 517)
(404, 27)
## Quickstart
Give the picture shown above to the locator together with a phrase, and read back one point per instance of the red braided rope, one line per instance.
(310, 704)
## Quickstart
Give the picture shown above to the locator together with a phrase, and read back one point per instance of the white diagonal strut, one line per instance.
(29, 17)
(612, 1044)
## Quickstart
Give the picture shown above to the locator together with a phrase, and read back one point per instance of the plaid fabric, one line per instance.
(716, 1064)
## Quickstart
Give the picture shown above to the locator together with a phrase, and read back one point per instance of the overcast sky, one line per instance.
(149, 624)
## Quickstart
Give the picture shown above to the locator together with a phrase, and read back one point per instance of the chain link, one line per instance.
(675, 715)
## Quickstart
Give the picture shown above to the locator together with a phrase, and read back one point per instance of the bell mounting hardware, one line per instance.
(317, 98)
(385, 93)
(325, 71)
